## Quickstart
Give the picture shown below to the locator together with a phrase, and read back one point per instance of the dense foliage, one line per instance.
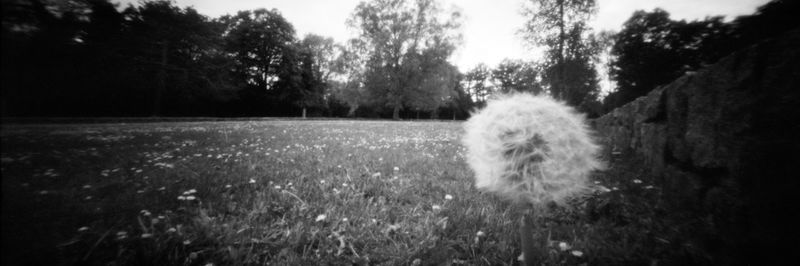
(653, 50)
(93, 58)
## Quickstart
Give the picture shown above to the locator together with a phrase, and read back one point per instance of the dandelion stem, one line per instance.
(528, 243)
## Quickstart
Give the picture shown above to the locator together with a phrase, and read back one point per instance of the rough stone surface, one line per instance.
(726, 140)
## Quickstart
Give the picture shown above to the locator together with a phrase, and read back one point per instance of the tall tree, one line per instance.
(261, 41)
(349, 70)
(652, 50)
(178, 44)
(516, 75)
(560, 26)
(477, 83)
(396, 34)
(318, 65)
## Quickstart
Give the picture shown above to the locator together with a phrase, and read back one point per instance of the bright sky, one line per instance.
(489, 28)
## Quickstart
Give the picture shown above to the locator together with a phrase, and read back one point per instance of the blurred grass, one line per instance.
(302, 193)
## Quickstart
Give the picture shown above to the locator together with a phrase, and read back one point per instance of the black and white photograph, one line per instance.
(400, 132)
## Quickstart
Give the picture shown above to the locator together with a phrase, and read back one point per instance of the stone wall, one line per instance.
(725, 140)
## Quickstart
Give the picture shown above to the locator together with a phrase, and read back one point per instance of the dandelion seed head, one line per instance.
(530, 149)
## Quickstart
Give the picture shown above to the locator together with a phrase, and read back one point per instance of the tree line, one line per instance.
(90, 58)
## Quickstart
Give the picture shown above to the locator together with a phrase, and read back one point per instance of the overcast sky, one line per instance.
(490, 26)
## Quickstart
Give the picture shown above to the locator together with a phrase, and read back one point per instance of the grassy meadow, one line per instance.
(301, 193)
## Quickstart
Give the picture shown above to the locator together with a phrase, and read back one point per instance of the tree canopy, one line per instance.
(93, 58)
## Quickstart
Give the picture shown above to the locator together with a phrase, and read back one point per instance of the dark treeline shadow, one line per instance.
(90, 58)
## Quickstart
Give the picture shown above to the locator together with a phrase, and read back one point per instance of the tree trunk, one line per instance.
(162, 83)
(396, 112)
(304, 112)
(352, 111)
(454, 115)
(561, 39)
(530, 251)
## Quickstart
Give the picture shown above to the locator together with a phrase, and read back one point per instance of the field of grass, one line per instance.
(300, 193)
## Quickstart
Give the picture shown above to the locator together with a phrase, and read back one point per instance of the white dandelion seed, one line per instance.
(577, 253)
(563, 246)
(321, 217)
(448, 197)
(530, 149)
